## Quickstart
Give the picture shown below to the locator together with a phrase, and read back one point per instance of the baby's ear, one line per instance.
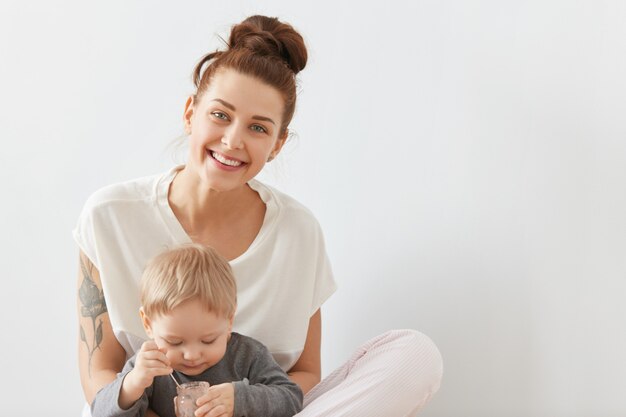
(145, 320)
(230, 323)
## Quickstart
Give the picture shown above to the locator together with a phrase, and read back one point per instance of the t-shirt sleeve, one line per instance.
(325, 284)
(84, 232)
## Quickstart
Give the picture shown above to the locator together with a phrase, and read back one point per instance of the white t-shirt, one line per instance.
(282, 278)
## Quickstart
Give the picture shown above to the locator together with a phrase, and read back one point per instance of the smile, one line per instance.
(226, 161)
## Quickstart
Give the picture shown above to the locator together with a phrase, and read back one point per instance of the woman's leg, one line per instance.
(394, 374)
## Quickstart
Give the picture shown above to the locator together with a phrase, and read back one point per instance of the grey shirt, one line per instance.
(262, 388)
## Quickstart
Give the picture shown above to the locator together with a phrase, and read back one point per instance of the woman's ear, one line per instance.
(188, 114)
(280, 142)
(145, 320)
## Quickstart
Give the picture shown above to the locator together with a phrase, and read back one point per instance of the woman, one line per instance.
(237, 121)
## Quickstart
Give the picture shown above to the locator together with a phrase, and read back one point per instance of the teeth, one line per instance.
(225, 161)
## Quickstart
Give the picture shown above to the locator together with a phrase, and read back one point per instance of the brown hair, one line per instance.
(187, 272)
(262, 47)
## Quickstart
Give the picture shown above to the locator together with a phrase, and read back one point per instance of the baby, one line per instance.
(188, 297)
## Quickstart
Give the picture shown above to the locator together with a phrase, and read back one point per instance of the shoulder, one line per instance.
(118, 197)
(291, 212)
(132, 190)
(240, 342)
(245, 349)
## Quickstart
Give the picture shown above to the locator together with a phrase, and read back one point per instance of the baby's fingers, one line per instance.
(160, 370)
(149, 345)
(155, 355)
(217, 411)
(156, 364)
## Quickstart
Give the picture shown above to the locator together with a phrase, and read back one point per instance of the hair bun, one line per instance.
(267, 36)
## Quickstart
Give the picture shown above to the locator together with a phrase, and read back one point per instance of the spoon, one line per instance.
(177, 384)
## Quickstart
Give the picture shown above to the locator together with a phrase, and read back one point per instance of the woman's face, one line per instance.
(233, 129)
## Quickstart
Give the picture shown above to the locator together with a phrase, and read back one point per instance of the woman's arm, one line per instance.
(100, 356)
(307, 371)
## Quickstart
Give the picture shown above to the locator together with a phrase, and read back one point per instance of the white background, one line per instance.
(467, 161)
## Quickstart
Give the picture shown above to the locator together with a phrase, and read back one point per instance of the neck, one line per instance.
(198, 206)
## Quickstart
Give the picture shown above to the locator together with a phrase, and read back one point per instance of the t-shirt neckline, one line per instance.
(181, 236)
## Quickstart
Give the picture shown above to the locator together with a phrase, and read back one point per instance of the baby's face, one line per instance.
(194, 338)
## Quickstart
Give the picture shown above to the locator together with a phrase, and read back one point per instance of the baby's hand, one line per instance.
(151, 361)
(218, 402)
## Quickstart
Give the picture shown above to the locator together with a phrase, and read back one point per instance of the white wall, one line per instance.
(467, 161)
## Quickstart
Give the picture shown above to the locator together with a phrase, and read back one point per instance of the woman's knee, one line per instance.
(420, 358)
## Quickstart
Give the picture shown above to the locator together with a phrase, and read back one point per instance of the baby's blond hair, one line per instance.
(187, 272)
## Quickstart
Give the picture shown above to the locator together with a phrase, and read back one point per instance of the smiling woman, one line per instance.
(236, 122)
(232, 133)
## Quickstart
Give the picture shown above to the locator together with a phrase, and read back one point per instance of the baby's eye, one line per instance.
(208, 342)
(258, 128)
(220, 115)
(173, 343)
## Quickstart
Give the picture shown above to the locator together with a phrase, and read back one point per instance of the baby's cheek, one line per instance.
(173, 356)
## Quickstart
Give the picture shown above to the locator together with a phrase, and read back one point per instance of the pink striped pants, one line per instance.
(392, 375)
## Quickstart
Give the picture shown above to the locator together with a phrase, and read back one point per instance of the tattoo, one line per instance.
(93, 305)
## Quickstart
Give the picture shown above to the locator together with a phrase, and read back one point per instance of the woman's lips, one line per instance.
(225, 162)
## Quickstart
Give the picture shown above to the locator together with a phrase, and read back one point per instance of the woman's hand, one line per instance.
(218, 402)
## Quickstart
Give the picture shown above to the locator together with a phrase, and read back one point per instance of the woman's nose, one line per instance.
(232, 138)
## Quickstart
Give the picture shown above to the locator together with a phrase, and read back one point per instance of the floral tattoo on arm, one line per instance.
(92, 305)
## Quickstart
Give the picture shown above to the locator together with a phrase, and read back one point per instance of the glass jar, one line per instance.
(186, 396)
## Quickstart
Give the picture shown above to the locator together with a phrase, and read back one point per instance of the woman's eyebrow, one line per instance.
(265, 119)
(225, 103)
(256, 117)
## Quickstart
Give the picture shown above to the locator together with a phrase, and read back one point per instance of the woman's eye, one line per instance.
(220, 115)
(258, 128)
